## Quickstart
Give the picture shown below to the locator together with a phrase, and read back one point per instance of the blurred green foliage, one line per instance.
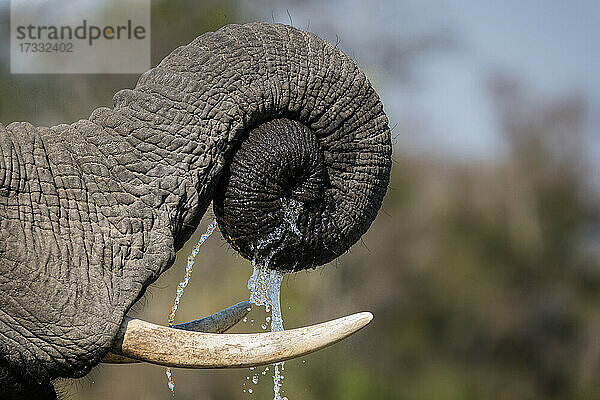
(484, 276)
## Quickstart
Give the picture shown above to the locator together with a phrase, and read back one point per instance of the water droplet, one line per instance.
(250, 390)
(170, 381)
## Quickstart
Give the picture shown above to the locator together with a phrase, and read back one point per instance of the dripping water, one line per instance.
(180, 288)
(265, 285)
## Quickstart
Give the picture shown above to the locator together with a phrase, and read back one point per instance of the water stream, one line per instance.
(265, 283)
(264, 286)
(181, 287)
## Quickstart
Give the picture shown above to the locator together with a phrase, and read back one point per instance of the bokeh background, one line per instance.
(483, 266)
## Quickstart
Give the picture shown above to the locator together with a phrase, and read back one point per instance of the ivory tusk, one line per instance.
(218, 322)
(165, 346)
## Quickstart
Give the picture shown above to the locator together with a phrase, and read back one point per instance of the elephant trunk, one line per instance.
(279, 127)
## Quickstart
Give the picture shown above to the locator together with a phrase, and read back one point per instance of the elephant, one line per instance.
(259, 119)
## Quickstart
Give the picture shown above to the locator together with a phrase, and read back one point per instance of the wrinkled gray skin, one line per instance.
(93, 212)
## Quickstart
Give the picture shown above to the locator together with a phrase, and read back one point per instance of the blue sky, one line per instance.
(553, 46)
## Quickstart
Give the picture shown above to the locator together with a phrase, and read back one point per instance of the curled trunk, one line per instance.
(286, 122)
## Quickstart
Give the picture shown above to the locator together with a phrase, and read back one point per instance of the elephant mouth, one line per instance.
(202, 343)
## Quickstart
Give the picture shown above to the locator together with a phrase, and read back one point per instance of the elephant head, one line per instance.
(260, 119)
